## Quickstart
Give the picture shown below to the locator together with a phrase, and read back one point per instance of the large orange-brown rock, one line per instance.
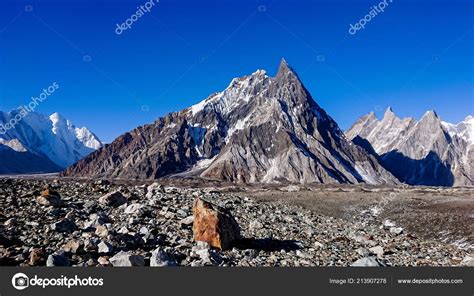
(214, 225)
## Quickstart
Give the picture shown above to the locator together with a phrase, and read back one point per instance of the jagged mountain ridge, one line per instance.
(259, 129)
(42, 144)
(424, 152)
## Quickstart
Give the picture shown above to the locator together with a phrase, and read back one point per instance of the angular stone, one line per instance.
(144, 230)
(187, 221)
(153, 189)
(387, 224)
(10, 222)
(37, 257)
(101, 231)
(104, 248)
(214, 225)
(96, 220)
(57, 260)
(201, 250)
(103, 260)
(133, 209)
(207, 256)
(318, 245)
(127, 259)
(396, 230)
(181, 214)
(161, 258)
(65, 225)
(113, 199)
(72, 246)
(90, 244)
(468, 261)
(378, 250)
(123, 230)
(367, 262)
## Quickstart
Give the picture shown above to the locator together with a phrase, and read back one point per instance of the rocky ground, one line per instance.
(95, 223)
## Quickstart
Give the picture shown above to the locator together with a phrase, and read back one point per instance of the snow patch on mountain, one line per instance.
(239, 91)
(464, 129)
(13, 144)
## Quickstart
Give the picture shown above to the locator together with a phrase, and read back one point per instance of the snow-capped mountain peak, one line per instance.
(53, 138)
(463, 129)
(59, 122)
(55, 118)
(259, 129)
(65, 128)
(389, 114)
(431, 115)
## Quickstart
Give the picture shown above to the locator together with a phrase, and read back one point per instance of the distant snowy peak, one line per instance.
(69, 144)
(52, 137)
(64, 127)
(464, 129)
(89, 139)
(57, 120)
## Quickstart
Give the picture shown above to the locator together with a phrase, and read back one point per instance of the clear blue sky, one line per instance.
(415, 56)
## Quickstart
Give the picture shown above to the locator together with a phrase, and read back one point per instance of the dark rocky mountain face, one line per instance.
(148, 152)
(424, 152)
(259, 129)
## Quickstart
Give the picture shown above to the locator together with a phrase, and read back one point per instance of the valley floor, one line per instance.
(282, 226)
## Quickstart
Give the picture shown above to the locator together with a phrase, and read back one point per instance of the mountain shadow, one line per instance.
(268, 244)
(361, 142)
(429, 171)
(13, 162)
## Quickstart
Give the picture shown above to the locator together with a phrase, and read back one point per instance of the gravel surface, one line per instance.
(96, 223)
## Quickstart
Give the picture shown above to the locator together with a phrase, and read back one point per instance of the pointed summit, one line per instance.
(283, 65)
(284, 68)
(389, 113)
(371, 115)
(431, 114)
(57, 120)
(56, 116)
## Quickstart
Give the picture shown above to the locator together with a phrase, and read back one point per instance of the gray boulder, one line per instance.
(127, 259)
